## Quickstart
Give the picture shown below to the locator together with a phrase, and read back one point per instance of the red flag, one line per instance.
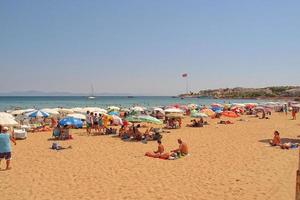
(184, 75)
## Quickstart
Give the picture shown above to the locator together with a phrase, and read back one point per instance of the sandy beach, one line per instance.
(225, 162)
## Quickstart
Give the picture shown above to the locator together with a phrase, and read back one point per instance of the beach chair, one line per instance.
(20, 134)
(56, 133)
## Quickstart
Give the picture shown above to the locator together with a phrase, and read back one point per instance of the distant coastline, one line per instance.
(277, 92)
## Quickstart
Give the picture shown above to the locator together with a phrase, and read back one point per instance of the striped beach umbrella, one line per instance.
(37, 113)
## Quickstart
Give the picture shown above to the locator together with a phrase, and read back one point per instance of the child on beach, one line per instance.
(5, 148)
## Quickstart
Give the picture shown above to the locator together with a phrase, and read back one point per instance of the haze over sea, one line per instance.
(39, 102)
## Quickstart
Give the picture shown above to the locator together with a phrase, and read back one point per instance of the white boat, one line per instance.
(92, 94)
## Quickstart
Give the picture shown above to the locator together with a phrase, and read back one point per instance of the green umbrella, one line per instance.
(143, 118)
(133, 118)
(198, 115)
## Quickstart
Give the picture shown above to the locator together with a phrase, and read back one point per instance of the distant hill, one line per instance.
(40, 93)
(239, 92)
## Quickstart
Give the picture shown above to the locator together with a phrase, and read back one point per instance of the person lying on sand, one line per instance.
(289, 145)
(56, 146)
(225, 122)
(276, 139)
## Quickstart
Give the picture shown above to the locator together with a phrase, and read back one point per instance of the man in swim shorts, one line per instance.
(5, 148)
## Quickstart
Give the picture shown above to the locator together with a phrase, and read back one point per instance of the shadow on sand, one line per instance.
(283, 140)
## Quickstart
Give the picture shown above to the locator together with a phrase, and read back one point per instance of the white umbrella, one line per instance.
(77, 109)
(7, 121)
(159, 110)
(93, 109)
(4, 114)
(77, 115)
(137, 109)
(20, 112)
(50, 111)
(173, 110)
(117, 120)
(125, 110)
(113, 108)
(64, 110)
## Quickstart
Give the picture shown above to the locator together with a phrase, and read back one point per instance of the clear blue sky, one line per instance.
(143, 46)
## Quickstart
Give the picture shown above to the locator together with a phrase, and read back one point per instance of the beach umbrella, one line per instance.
(137, 109)
(174, 115)
(216, 109)
(198, 115)
(216, 105)
(64, 110)
(133, 119)
(230, 114)
(208, 112)
(7, 121)
(93, 109)
(296, 105)
(71, 121)
(184, 108)
(77, 115)
(113, 108)
(173, 110)
(117, 120)
(159, 110)
(125, 110)
(20, 112)
(4, 114)
(77, 109)
(50, 111)
(37, 113)
(143, 118)
(113, 113)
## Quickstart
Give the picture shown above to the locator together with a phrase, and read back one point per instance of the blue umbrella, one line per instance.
(113, 113)
(217, 109)
(37, 113)
(70, 121)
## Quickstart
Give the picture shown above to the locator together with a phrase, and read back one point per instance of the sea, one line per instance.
(39, 102)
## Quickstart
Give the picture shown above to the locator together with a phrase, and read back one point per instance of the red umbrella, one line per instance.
(230, 114)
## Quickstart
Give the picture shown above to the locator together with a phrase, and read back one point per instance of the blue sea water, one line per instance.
(38, 102)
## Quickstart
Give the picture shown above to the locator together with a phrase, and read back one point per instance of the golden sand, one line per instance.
(225, 162)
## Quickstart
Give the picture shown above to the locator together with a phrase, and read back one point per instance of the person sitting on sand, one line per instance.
(276, 140)
(137, 134)
(160, 148)
(65, 133)
(152, 134)
(182, 150)
(5, 148)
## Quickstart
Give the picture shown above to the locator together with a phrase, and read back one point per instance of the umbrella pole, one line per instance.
(298, 180)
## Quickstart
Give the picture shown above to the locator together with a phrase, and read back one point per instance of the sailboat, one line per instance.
(92, 96)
